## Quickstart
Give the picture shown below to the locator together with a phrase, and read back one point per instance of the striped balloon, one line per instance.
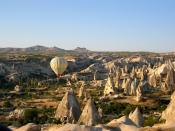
(58, 65)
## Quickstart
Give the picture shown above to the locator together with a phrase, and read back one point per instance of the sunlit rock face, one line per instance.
(68, 109)
(162, 76)
(76, 127)
(169, 112)
(29, 127)
(17, 114)
(123, 124)
(109, 87)
(137, 117)
(89, 114)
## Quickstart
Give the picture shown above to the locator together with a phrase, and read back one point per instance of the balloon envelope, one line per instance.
(58, 65)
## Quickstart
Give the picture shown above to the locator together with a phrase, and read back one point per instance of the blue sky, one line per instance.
(116, 25)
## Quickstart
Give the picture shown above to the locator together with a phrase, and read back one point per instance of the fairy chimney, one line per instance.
(109, 87)
(89, 114)
(68, 105)
(137, 117)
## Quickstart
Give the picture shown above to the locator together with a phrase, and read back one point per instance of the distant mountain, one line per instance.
(42, 49)
(37, 48)
(81, 50)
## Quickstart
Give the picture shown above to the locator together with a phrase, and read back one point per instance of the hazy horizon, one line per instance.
(99, 25)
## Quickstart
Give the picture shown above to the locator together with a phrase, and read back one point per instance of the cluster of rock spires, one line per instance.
(68, 111)
(121, 78)
(163, 77)
(128, 87)
(87, 120)
(138, 81)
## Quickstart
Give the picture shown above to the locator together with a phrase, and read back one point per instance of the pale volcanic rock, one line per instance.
(68, 105)
(109, 87)
(17, 114)
(89, 114)
(76, 127)
(169, 112)
(29, 127)
(137, 117)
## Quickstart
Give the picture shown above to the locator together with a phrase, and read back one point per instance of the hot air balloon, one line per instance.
(58, 65)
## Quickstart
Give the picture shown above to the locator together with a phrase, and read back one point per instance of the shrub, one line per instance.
(116, 108)
(151, 120)
(7, 104)
(62, 81)
(16, 123)
(128, 109)
(53, 121)
(31, 116)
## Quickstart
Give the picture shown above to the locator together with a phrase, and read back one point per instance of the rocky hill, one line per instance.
(33, 49)
(81, 50)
